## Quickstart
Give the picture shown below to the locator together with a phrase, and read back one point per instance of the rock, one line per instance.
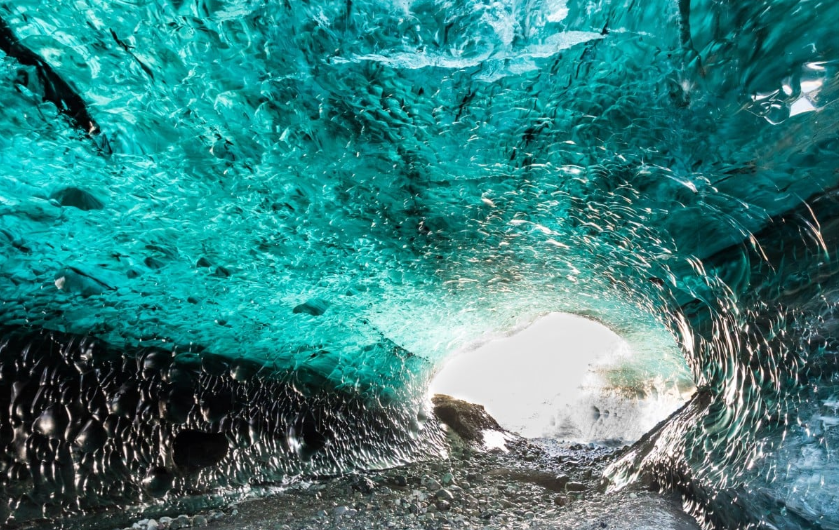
(444, 494)
(466, 419)
(343, 511)
(398, 480)
(576, 486)
(447, 479)
(561, 500)
(200, 521)
(432, 484)
(152, 525)
(364, 485)
(545, 479)
(182, 521)
(443, 505)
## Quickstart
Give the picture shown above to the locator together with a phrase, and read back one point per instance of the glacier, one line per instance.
(237, 237)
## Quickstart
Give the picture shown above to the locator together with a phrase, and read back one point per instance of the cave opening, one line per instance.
(567, 377)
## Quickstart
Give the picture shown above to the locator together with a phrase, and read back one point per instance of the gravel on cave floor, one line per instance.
(538, 484)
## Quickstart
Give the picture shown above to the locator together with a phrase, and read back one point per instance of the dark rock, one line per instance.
(468, 420)
(576, 486)
(364, 485)
(398, 480)
(444, 495)
(545, 479)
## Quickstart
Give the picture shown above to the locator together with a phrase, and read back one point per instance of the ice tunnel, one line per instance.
(237, 236)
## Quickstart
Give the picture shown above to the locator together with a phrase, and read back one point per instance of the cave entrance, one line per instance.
(568, 378)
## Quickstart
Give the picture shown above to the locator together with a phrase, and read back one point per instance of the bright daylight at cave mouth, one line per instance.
(551, 380)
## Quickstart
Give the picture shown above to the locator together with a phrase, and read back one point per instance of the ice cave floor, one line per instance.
(534, 484)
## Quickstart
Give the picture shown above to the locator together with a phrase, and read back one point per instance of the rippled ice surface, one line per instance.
(206, 204)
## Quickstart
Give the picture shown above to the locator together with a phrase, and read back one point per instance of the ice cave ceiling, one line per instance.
(269, 220)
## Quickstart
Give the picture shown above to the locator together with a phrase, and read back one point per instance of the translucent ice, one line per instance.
(205, 203)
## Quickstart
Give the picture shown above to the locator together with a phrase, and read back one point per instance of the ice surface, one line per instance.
(351, 191)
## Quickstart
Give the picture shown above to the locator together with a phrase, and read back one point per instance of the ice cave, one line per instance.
(238, 239)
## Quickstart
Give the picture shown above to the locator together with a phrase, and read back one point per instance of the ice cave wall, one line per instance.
(336, 195)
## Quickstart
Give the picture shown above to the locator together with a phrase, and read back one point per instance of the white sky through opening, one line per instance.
(524, 379)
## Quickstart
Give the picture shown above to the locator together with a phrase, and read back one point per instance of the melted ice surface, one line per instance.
(356, 190)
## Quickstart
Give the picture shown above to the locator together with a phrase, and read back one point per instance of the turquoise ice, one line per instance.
(356, 189)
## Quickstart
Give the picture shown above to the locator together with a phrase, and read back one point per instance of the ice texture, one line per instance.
(353, 190)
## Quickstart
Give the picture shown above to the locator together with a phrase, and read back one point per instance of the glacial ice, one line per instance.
(272, 220)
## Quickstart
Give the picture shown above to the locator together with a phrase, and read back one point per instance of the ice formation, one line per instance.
(262, 224)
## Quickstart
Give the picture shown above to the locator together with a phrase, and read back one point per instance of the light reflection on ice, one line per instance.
(497, 63)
